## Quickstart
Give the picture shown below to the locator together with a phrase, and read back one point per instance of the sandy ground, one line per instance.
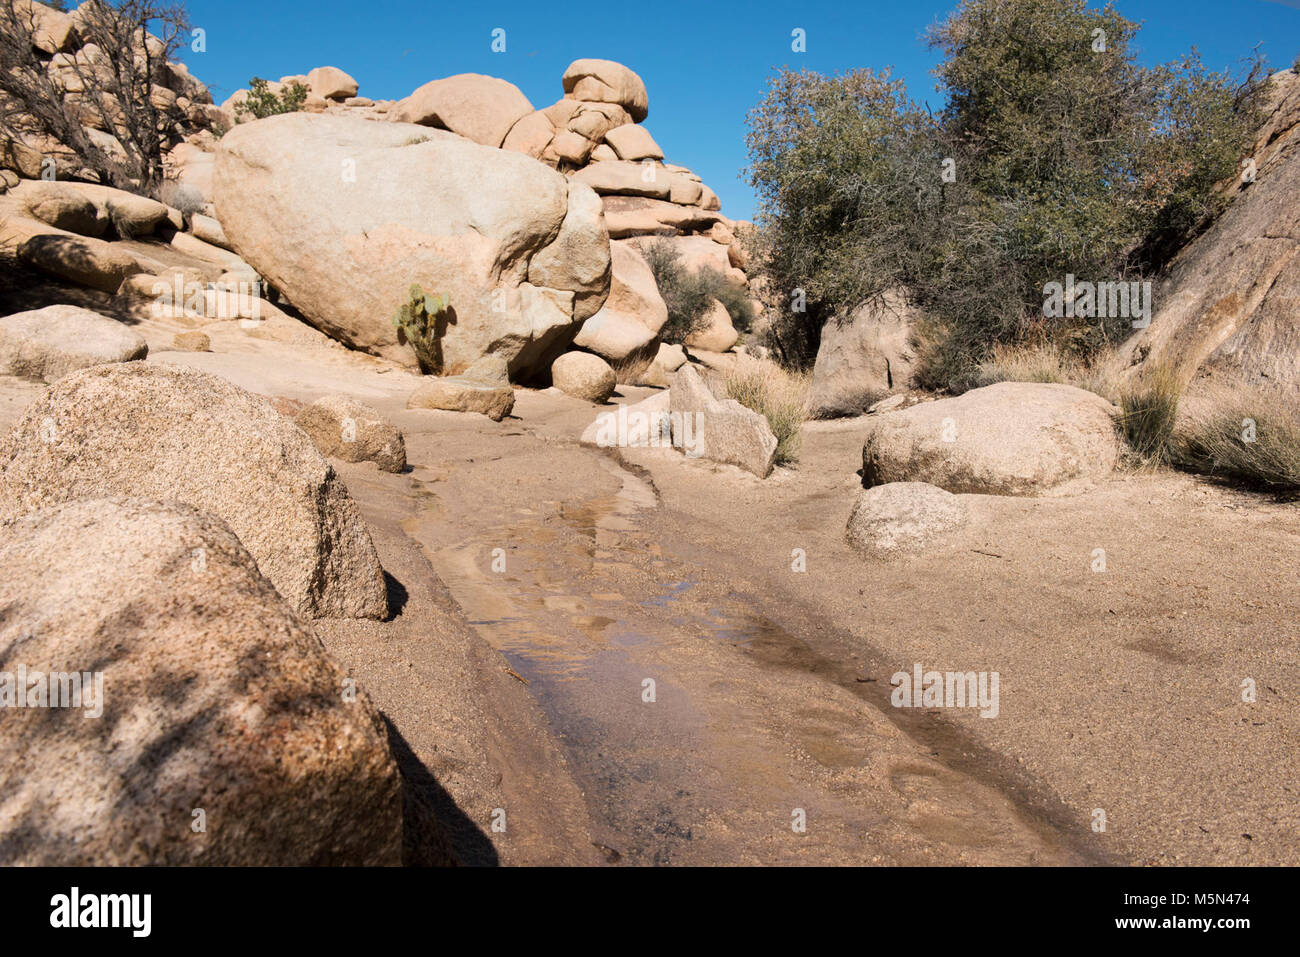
(613, 648)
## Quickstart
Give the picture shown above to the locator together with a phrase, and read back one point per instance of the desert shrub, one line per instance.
(687, 293)
(262, 102)
(420, 322)
(1243, 436)
(1148, 412)
(778, 395)
(181, 196)
(1052, 156)
(122, 87)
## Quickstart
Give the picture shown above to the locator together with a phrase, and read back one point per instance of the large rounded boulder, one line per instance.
(480, 108)
(173, 710)
(1013, 438)
(184, 436)
(605, 81)
(343, 215)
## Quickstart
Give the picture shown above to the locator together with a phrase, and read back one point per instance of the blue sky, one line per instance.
(704, 63)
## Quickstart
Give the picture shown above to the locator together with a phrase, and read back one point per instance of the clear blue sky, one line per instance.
(704, 63)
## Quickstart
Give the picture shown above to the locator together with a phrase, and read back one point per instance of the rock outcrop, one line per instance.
(137, 429)
(1227, 308)
(1012, 438)
(863, 359)
(627, 326)
(193, 690)
(424, 206)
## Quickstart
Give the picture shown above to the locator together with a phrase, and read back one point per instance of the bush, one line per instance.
(261, 102)
(1246, 437)
(779, 396)
(1148, 411)
(122, 88)
(688, 293)
(1052, 157)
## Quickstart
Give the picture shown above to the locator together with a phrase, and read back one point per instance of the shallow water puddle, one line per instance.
(684, 710)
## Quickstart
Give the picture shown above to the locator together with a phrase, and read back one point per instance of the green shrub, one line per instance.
(687, 293)
(1148, 411)
(261, 102)
(420, 323)
(779, 396)
(1051, 157)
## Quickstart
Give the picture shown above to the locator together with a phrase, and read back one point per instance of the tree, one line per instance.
(114, 84)
(1056, 153)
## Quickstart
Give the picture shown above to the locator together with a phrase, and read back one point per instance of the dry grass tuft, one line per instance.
(1148, 411)
(1242, 435)
(779, 396)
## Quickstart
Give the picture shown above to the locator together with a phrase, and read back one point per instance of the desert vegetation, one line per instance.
(262, 101)
(1057, 153)
(687, 293)
(780, 396)
(110, 107)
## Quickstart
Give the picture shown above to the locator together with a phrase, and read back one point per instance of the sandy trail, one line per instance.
(521, 689)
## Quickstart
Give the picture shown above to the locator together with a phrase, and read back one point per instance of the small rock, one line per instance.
(346, 429)
(583, 376)
(888, 520)
(483, 388)
(721, 430)
(192, 342)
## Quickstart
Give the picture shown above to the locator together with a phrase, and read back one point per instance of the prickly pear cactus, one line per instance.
(418, 325)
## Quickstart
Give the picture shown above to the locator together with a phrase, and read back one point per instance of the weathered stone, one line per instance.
(330, 83)
(1012, 438)
(900, 517)
(605, 81)
(862, 359)
(480, 108)
(464, 393)
(201, 689)
(1228, 306)
(343, 428)
(721, 430)
(633, 143)
(629, 321)
(626, 179)
(192, 341)
(61, 206)
(177, 434)
(583, 376)
(208, 230)
(461, 220)
(668, 359)
(88, 262)
(715, 332)
(51, 342)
